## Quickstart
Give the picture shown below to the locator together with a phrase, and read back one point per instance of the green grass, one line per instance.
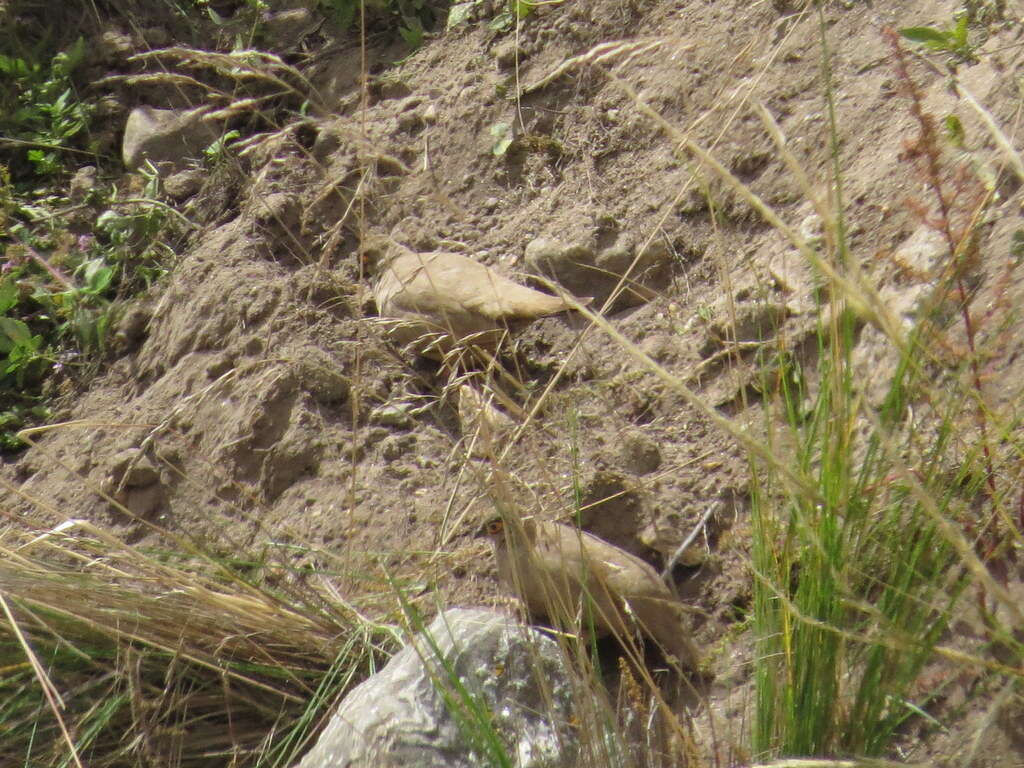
(859, 575)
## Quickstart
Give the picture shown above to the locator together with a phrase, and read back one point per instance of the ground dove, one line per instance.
(435, 299)
(552, 565)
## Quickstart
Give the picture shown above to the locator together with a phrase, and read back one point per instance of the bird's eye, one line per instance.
(495, 527)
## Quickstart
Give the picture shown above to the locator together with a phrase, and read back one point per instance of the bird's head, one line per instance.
(493, 528)
(498, 530)
(375, 251)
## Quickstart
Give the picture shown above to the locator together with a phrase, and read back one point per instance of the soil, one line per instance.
(259, 389)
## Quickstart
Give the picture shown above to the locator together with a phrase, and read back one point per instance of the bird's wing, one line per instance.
(665, 620)
(456, 285)
(623, 573)
(477, 288)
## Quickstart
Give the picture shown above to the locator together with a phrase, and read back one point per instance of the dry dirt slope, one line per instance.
(276, 415)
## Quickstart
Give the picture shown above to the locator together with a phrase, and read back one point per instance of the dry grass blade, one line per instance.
(143, 642)
(164, 78)
(53, 697)
(239, 65)
(599, 54)
(173, 611)
(1000, 138)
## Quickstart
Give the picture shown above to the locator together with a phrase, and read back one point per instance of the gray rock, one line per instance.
(184, 184)
(109, 107)
(131, 327)
(660, 347)
(132, 468)
(388, 87)
(319, 376)
(165, 135)
(573, 266)
(82, 183)
(156, 37)
(471, 673)
(392, 415)
(410, 121)
(649, 276)
(113, 47)
(396, 446)
(279, 213)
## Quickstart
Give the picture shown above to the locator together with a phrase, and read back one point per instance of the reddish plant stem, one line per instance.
(927, 149)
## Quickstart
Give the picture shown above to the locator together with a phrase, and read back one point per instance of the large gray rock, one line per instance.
(165, 136)
(418, 712)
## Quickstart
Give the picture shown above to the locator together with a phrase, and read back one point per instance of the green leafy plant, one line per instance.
(514, 10)
(39, 108)
(503, 138)
(952, 39)
(862, 555)
(57, 288)
(219, 149)
(341, 12)
(517, 10)
(411, 18)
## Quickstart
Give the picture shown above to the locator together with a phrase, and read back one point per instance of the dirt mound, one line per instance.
(269, 406)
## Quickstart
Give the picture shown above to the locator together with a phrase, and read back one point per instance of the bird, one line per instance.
(484, 427)
(552, 566)
(438, 300)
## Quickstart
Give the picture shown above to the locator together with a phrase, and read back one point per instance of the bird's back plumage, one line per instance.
(553, 566)
(454, 298)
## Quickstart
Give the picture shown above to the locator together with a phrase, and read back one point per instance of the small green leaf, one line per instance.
(413, 33)
(76, 53)
(97, 276)
(218, 149)
(458, 13)
(13, 334)
(958, 32)
(341, 12)
(8, 295)
(14, 67)
(955, 130)
(502, 133)
(523, 8)
(501, 22)
(215, 17)
(926, 35)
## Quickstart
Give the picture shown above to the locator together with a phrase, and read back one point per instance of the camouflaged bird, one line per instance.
(484, 427)
(551, 566)
(437, 300)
